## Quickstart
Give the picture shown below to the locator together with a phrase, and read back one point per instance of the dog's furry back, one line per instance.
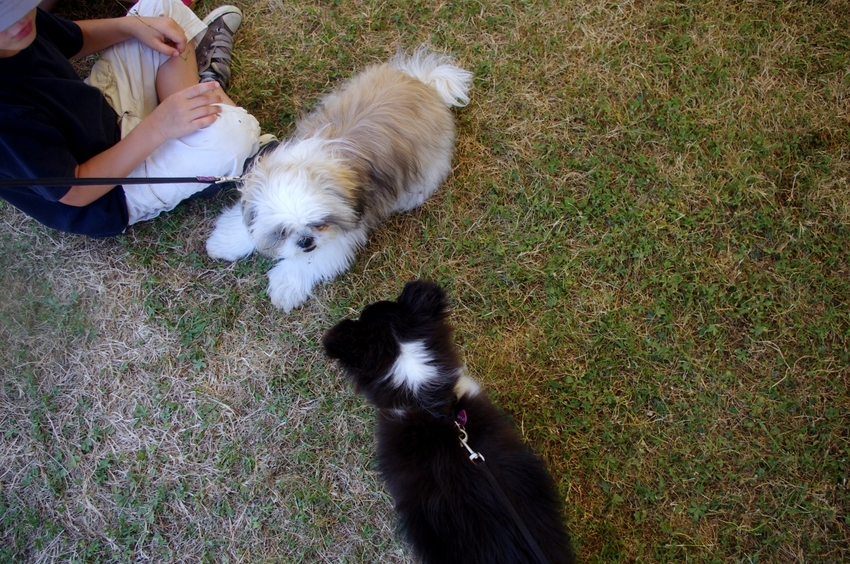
(391, 123)
(400, 355)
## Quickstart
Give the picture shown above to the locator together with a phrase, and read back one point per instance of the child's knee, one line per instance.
(220, 149)
(234, 133)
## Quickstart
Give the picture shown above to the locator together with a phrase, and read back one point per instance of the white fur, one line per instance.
(439, 71)
(414, 366)
(230, 240)
(298, 168)
(291, 281)
(465, 385)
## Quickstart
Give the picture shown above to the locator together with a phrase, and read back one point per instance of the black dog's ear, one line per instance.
(342, 342)
(364, 350)
(423, 297)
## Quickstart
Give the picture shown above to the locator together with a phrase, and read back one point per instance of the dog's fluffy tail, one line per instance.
(437, 70)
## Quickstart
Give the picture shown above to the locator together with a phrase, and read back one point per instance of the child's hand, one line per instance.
(186, 111)
(160, 34)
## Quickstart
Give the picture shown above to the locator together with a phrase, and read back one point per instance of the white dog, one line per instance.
(383, 143)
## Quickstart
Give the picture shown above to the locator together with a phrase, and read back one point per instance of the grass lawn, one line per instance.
(646, 241)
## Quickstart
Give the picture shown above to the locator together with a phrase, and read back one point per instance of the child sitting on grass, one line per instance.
(154, 105)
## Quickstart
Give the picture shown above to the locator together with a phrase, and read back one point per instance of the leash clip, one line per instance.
(473, 456)
(218, 179)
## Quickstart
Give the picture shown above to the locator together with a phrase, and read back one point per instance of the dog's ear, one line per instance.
(366, 352)
(358, 345)
(342, 342)
(423, 297)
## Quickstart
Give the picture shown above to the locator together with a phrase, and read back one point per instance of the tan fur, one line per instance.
(384, 119)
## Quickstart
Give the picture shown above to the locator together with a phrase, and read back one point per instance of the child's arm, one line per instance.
(160, 34)
(178, 115)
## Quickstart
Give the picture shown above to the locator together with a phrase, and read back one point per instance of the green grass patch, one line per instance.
(645, 240)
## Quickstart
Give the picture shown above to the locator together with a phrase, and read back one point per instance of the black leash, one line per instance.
(479, 462)
(27, 182)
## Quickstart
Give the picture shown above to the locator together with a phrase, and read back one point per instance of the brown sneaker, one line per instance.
(215, 50)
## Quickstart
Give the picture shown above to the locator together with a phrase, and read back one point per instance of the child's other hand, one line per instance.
(161, 34)
(186, 111)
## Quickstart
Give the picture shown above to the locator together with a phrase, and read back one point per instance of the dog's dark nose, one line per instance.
(306, 243)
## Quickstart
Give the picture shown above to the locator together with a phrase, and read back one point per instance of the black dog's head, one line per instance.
(399, 354)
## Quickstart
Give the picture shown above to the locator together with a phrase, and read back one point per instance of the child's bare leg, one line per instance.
(181, 72)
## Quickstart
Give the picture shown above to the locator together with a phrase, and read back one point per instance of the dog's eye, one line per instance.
(321, 227)
(280, 233)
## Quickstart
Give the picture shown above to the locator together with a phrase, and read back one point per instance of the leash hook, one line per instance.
(473, 456)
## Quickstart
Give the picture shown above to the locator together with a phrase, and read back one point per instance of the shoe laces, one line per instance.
(218, 45)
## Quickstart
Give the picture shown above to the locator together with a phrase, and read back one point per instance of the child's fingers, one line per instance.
(206, 99)
(207, 110)
(203, 100)
(176, 38)
(203, 111)
(199, 118)
(161, 34)
(168, 47)
(205, 121)
(199, 89)
(172, 33)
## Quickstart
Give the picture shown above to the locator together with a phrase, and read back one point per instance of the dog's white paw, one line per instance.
(230, 239)
(291, 281)
(290, 284)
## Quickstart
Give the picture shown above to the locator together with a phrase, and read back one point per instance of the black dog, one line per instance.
(486, 503)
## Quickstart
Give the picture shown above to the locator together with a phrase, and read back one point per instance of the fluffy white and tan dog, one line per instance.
(381, 144)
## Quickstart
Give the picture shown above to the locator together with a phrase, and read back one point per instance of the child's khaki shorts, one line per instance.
(126, 74)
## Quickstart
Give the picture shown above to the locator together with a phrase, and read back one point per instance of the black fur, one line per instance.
(448, 511)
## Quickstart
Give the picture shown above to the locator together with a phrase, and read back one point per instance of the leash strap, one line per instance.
(541, 558)
(27, 182)
(478, 460)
